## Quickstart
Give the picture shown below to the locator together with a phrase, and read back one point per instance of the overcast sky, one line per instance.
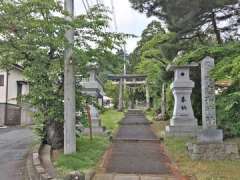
(128, 20)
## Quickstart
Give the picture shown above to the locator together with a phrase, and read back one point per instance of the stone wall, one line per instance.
(213, 151)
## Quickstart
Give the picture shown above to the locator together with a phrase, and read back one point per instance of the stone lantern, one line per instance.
(183, 121)
(92, 70)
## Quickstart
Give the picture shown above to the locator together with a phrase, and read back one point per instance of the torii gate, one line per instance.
(131, 80)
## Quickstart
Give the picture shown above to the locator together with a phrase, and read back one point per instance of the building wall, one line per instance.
(14, 76)
(15, 113)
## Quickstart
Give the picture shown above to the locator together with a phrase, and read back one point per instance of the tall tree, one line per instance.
(32, 34)
(148, 33)
(192, 18)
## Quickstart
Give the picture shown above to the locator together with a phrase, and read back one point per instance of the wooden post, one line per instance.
(69, 86)
(89, 121)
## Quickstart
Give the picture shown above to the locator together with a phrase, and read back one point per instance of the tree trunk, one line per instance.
(215, 28)
(54, 134)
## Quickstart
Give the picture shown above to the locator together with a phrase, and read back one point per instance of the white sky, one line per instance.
(128, 20)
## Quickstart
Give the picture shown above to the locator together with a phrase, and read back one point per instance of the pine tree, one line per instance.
(190, 18)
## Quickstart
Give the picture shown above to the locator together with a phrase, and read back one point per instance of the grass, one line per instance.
(110, 119)
(200, 170)
(89, 152)
(149, 114)
(87, 156)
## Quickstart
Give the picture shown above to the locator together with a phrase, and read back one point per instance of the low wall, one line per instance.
(213, 151)
(16, 115)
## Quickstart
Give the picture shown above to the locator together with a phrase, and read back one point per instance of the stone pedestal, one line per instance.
(183, 122)
(97, 129)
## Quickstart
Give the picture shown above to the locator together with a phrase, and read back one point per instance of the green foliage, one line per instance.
(32, 34)
(228, 114)
(153, 58)
(87, 155)
(110, 119)
(149, 32)
(112, 91)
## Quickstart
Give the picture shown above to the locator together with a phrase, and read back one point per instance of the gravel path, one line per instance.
(14, 144)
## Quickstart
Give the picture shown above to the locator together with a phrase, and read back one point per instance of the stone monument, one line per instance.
(93, 87)
(183, 122)
(210, 145)
(210, 133)
(96, 121)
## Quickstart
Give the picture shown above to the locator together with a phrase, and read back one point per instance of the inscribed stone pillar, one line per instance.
(120, 99)
(209, 133)
(183, 122)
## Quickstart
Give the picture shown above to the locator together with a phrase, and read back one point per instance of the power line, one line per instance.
(91, 3)
(97, 1)
(87, 4)
(85, 7)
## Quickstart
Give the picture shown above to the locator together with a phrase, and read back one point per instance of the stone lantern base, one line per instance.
(97, 129)
(182, 127)
(181, 131)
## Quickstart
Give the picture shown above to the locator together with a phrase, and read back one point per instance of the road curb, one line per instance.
(34, 167)
(40, 167)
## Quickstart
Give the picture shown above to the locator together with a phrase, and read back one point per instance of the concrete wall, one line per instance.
(26, 116)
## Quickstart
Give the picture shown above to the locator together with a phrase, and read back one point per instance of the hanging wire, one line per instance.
(85, 7)
(87, 4)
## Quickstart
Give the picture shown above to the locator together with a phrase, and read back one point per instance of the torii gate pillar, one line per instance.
(120, 99)
(147, 97)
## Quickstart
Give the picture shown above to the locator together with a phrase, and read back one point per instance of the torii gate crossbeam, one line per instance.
(129, 79)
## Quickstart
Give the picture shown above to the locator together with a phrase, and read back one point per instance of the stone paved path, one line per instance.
(14, 144)
(136, 149)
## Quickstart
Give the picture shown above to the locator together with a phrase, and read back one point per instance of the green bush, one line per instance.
(228, 114)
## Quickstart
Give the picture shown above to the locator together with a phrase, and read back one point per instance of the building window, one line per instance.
(1, 80)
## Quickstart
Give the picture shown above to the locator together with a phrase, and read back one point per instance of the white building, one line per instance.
(12, 87)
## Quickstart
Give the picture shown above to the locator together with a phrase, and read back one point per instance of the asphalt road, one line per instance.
(14, 145)
(140, 152)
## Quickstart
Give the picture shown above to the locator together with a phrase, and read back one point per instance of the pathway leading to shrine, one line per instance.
(136, 153)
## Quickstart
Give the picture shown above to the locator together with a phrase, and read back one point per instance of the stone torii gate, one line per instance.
(129, 80)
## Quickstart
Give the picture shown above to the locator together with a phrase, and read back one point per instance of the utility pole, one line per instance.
(69, 85)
